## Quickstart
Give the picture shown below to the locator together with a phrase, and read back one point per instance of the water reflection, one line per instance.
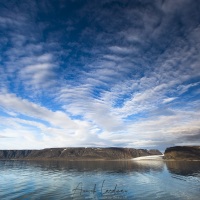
(86, 166)
(184, 168)
(136, 179)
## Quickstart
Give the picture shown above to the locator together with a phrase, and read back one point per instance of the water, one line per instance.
(134, 180)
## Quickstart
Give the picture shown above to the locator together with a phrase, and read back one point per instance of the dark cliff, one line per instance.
(182, 153)
(77, 153)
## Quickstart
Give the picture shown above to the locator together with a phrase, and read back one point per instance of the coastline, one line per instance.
(176, 153)
(111, 153)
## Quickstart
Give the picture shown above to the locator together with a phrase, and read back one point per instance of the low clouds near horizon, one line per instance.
(99, 73)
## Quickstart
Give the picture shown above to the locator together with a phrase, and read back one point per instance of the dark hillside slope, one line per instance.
(182, 153)
(77, 153)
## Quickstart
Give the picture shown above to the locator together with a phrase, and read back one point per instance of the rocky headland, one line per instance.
(111, 153)
(182, 153)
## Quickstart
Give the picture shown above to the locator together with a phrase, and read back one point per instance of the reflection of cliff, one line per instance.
(86, 166)
(77, 153)
(183, 153)
(185, 168)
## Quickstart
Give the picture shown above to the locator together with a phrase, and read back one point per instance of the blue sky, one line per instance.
(99, 73)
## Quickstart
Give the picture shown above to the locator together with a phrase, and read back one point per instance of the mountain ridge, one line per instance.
(78, 153)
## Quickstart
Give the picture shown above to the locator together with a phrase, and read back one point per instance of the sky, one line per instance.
(90, 73)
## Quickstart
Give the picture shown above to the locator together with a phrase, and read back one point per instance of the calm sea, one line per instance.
(99, 180)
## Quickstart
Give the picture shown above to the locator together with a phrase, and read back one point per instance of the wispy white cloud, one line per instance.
(53, 128)
(12, 103)
(167, 100)
(121, 50)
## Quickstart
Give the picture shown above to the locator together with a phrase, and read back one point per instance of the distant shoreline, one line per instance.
(177, 153)
(112, 153)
